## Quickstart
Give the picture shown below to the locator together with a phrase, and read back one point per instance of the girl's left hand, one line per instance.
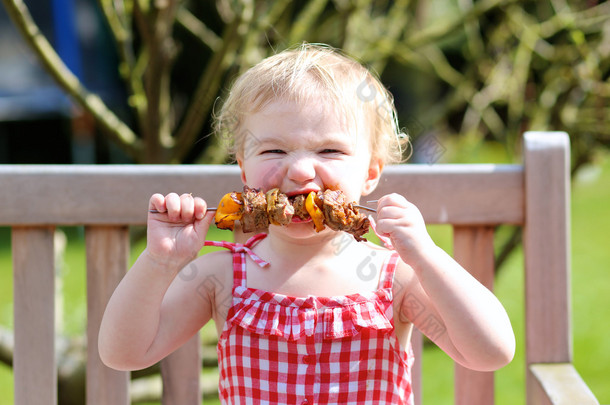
(470, 324)
(402, 222)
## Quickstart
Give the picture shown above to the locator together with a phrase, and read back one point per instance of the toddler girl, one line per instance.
(306, 324)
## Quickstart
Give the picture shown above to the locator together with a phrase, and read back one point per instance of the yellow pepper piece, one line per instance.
(314, 211)
(230, 209)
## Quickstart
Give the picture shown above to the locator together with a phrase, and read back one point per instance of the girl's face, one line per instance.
(302, 148)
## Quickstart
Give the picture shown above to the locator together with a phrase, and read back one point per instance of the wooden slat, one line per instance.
(181, 373)
(458, 194)
(474, 250)
(107, 258)
(119, 194)
(34, 363)
(546, 246)
(560, 384)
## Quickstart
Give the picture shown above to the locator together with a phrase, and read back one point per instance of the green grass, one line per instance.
(590, 299)
(591, 280)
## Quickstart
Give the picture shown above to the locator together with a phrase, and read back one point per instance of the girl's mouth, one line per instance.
(298, 220)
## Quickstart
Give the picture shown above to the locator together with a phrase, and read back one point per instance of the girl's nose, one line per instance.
(301, 170)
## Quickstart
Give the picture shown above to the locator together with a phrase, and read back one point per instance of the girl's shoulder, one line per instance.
(212, 268)
(379, 254)
(207, 276)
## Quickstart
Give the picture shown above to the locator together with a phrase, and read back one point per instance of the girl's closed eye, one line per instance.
(272, 151)
(331, 151)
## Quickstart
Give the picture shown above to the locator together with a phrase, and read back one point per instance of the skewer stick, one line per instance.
(362, 207)
(159, 212)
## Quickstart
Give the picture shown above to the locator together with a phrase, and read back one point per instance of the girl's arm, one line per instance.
(440, 297)
(156, 307)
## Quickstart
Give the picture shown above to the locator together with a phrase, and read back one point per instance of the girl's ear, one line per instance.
(373, 176)
(243, 173)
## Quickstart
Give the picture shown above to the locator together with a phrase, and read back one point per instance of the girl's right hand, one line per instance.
(177, 231)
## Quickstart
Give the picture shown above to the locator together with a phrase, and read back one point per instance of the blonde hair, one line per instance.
(321, 72)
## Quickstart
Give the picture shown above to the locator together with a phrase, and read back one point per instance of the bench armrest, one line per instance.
(560, 384)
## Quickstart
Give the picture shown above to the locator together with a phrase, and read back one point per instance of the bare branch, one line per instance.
(155, 24)
(205, 94)
(119, 21)
(196, 27)
(445, 27)
(306, 20)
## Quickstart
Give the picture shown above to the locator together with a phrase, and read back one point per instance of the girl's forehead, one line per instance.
(288, 106)
(310, 122)
(312, 113)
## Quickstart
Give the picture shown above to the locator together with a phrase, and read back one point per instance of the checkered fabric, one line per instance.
(277, 349)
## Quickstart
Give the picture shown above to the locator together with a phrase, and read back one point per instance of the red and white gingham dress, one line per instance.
(279, 349)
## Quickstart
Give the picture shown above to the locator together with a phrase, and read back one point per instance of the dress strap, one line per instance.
(386, 278)
(386, 240)
(239, 256)
(242, 248)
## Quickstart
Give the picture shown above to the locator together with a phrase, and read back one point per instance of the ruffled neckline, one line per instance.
(311, 301)
(274, 314)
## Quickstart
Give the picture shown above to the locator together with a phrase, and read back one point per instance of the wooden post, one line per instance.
(181, 373)
(474, 250)
(34, 363)
(107, 258)
(547, 251)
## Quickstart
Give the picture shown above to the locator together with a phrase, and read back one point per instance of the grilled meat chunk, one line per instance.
(279, 209)
(341, 215)
(254, 218)
(298, 202)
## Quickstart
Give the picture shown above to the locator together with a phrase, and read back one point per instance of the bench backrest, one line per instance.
(474, 199)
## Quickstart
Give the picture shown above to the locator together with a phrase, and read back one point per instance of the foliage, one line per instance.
(527, 65)
(484, 70)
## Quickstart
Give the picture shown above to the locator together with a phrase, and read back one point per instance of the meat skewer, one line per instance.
(212, 209)
(256, 210)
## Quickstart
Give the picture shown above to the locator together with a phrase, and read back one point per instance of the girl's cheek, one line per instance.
(271, 175)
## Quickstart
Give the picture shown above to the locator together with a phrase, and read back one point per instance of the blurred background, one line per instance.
(123, 81)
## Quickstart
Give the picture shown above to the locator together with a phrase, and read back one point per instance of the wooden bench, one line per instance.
(474, 199)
